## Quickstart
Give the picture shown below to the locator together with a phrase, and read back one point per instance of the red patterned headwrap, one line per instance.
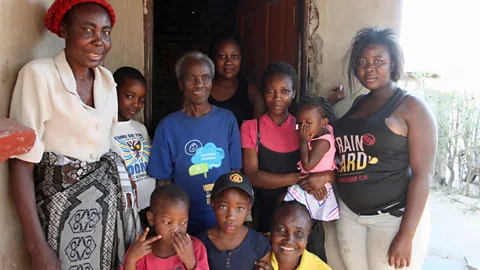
(56, 12)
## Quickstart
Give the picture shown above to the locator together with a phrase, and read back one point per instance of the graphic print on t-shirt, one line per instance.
(354, 159)
(136, 152)
(204, 158)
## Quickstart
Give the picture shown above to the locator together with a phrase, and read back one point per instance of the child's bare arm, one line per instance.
(139, 249)
(317, 181)
(130, 265)
(310, 158)
(265, 258)
(263, 179)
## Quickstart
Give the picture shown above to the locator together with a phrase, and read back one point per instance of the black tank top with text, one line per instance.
(375, 169)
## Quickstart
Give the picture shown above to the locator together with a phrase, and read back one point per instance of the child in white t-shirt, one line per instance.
(129, 138)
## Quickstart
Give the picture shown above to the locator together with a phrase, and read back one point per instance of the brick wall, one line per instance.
(179, 26)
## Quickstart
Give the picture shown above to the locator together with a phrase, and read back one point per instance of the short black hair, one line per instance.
(168, 193)
(369, 36)
(125, 74)
(281, 68)
(222, 38)
(290, 204)
(215, 46)
(322, 105)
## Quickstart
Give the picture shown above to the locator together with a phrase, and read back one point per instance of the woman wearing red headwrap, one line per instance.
(67, 189)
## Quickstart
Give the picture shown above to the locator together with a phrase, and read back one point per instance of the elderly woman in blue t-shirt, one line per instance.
(194, 146)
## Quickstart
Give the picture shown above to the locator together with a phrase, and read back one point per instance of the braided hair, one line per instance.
(322, 105)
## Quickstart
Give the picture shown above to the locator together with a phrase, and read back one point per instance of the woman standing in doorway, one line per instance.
(230, 90)
(67, 189)
(387, 142)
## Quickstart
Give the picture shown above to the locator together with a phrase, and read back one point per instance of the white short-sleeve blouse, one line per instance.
(45, 98)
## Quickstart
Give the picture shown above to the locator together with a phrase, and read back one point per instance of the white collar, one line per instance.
(102, 85)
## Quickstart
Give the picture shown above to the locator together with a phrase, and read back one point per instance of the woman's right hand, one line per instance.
(337, 95)
(260, 265)
(320, 194)
(45, 258)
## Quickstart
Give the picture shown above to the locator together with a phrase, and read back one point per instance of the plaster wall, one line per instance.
(23, 38)
(332, 25)
(127, 38)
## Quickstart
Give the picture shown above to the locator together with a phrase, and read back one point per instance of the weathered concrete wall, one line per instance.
(22, 38)
(127, 38)
(333, 23)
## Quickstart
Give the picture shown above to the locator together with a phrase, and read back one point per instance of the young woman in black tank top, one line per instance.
(229, 90)
(387, 143)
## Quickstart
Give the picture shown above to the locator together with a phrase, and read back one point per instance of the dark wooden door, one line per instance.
(270, 32)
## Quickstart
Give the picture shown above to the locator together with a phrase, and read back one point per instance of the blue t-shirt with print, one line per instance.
(194, 152)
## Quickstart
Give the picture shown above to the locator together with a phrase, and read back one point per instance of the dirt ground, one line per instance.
(454, 237)
(455, 233)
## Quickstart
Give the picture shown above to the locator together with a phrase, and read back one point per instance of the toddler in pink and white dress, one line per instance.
(317, 154)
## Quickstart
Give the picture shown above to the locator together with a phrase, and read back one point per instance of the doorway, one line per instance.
(271, 30)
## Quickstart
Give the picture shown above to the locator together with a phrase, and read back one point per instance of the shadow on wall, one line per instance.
(23, 38)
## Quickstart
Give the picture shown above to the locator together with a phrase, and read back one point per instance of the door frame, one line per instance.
(148, 63)
(303, 47)
(148, 28)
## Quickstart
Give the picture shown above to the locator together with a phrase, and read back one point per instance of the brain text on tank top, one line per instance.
(354, 159)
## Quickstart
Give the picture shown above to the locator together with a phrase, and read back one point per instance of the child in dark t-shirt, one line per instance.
(230, 244)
